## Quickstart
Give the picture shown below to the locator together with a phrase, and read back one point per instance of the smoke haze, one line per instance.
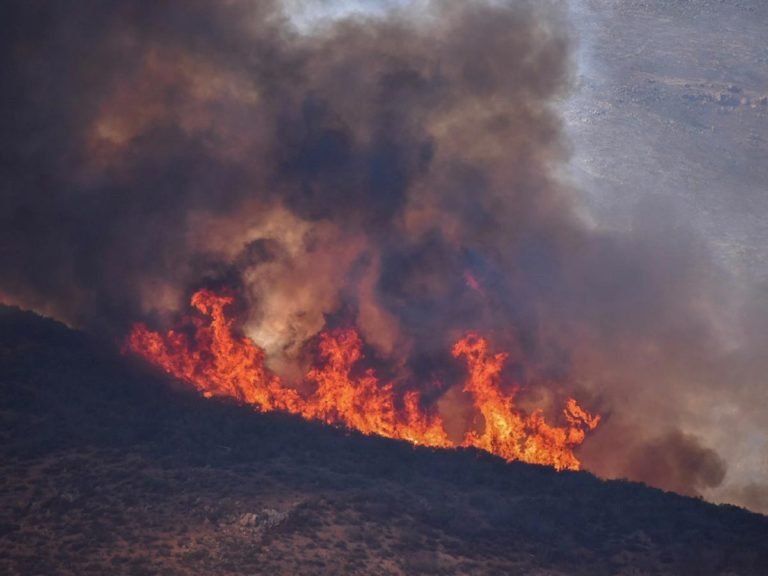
(396, 173)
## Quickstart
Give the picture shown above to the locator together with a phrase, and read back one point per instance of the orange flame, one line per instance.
(219, 362)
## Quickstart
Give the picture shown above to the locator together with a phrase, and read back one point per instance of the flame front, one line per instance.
(219, 362)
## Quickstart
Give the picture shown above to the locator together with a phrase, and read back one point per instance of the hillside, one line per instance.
(109, 468)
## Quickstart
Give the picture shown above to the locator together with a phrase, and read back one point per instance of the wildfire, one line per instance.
(219, 361)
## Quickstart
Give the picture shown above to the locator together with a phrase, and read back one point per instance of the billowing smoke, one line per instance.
(393, 172)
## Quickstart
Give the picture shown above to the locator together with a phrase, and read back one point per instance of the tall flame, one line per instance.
(218, 361)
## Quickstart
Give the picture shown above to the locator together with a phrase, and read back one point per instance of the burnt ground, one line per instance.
(110, 468)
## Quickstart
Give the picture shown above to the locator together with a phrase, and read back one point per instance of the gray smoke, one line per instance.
(392, 172)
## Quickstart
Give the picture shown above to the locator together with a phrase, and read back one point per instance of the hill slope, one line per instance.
(109, 468)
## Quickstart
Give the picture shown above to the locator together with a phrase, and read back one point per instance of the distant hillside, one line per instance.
(109, 468)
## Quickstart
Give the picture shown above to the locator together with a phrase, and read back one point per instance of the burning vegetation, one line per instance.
(384, 197)
(220, 362)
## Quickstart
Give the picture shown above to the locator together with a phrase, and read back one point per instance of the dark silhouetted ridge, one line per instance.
(110, 468)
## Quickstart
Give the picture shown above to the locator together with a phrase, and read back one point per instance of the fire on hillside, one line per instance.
(220, 362)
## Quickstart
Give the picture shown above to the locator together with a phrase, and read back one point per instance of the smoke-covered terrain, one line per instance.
(402, 174)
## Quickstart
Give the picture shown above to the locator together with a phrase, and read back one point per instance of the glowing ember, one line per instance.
(219, 362)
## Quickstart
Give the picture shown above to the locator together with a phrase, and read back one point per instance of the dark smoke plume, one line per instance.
(398, 171)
